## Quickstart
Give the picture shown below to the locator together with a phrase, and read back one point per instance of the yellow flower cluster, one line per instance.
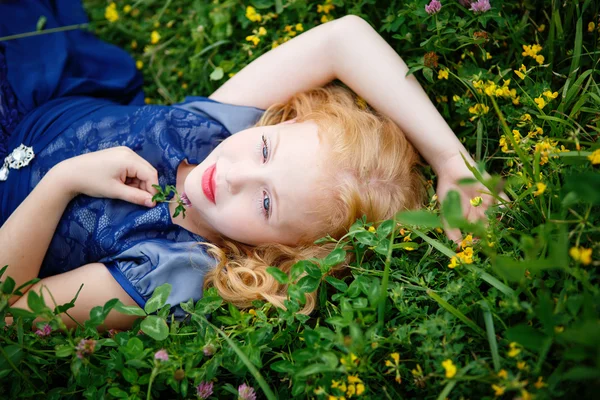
(154, 37)
(594, 157)
(515, 349)
(450, 368)
(541, 102)
(492, 89)
(111, 13)
(478, 109)
(532, 51)
(504, 144)
(591, 27)
(443, 74)
(521, 72)
(541, 188)
(252, 15)
(547, 147)
(354, 386)
(394, 364)
(255, 39)
(325, 9)
(290, 32)
(127, 9)
(498, 390)
(581, 254)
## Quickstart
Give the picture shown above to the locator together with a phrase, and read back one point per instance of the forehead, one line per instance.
(300, 172)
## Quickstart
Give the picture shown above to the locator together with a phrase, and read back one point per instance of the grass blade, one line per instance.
(491, 334)
(454, 311)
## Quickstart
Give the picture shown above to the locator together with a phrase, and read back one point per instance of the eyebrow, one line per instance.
(278, 135)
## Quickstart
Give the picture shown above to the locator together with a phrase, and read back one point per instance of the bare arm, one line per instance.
(368, 65)
(27, 233)
(298, 65)
(99, 286)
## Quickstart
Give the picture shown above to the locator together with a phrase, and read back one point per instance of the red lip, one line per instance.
(208, 183)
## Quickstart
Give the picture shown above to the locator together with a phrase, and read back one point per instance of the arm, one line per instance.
(26, 235)
(99, 287)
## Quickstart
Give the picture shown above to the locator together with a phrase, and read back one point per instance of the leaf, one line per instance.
(19, 312)
(64, 351)
(208, 304)
(217, 74)
(278, 274)
(155, 327)
(335, 257)
(336, 283)
(420, 218)
(8, 285)
(308, 284)
(129, 310)
(452, 209)
(283, 366)
(158, 299)
(428, 74)
(41, 22)
(35, 302)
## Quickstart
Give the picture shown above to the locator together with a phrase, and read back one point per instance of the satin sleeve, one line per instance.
(234, 118)
(143, 267)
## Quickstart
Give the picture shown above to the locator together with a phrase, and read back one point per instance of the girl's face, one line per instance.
(265, 183)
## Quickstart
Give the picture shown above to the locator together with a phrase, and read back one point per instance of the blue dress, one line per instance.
(68, 93)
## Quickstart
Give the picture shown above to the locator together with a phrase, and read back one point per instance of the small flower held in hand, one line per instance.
(162, 196)
(161, 355)
(204, 390)
(434, 7)
(480, 6)
(246, 392)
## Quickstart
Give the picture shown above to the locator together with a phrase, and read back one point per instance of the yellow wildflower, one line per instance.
(319, 390)
(519, 74)
(591, 27)
(581, 254)
(355, 379)
(540, 383)
(372, 229)
(550, 95)
(467, 241)
(418, 371)
(476, 201)
(540, 59)
(514, 350)
(559, 329)
(443, 74)
(450, 368)
(525, 118)
(453, 263)
(299, 28)
(111, 13)
(594, 157)
(360, 389)
(456, 98)
(541, 103)
(541, 188)
(503, 144)
(498, 390)
(478, 109)
(326, 18)
(521, 365)
(253, 38)
(139, 64)
(127, 9)
(154, 37)
(147, 100)
(525, 395)
(535, 132)
(252, 15)
(134, 44)
(262, 31)
(541, 28)
(325, 8)
(351, 391)
(502, 374)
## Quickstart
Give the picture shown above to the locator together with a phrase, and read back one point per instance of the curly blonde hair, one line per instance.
(374, 170)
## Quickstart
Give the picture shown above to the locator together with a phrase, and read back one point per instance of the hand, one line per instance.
(115, 173)
(453, 170)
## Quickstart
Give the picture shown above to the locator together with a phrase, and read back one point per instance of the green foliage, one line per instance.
(517, 313)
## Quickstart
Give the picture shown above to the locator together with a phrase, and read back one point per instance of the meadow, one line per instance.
(512, 312)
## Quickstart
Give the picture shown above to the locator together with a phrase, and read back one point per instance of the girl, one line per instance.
(81, 153)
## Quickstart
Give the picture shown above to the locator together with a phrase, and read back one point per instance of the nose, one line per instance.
(241, 174)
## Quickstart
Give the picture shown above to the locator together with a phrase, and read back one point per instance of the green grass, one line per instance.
(521, 319)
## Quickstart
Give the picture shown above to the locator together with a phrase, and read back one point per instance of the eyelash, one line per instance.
(264, 144)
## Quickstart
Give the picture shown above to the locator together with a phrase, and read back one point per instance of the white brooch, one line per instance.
(20, 157)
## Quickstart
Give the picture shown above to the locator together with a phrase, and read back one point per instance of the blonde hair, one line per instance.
(373, 171)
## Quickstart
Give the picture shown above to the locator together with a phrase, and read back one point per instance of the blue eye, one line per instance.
(267, 204)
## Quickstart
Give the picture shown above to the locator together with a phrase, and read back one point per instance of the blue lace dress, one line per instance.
(67, 94)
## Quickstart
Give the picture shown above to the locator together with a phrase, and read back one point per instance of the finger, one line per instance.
(147, 175)
(135, 196)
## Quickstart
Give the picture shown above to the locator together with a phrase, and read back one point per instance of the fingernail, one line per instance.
(149, 203)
